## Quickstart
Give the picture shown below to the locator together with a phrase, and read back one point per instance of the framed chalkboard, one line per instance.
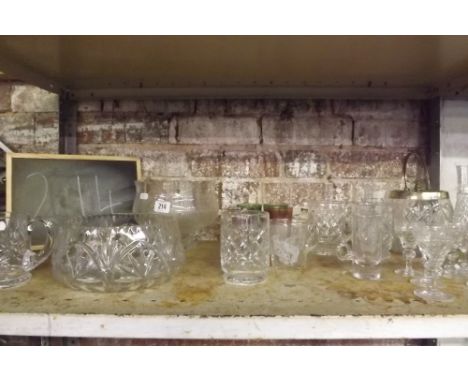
(55, 184)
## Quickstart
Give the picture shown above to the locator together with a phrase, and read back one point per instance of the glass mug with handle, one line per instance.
(369, 239)
(23, 247)
(329, 228)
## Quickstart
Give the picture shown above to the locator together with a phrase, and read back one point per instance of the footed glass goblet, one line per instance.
(435, 243)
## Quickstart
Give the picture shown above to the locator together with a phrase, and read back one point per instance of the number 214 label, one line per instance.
(162, 207)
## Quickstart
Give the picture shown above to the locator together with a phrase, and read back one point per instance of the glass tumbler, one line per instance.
(245, 246)
(288, 239)
(369, 245)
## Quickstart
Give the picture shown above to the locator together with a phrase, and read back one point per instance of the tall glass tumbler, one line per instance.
(369, 246)
(245, 246)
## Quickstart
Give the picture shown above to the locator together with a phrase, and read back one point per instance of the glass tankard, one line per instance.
(369, 239)
(329, 227)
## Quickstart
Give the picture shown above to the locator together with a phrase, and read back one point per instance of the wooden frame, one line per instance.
(11, 156)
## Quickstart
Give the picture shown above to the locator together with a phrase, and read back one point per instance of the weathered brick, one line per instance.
(148, 128)
(164, 163)
(46, 129)
(101, 133)
(364, 190)
(211, 106)
(98, 118)
(5, 97)
(294, 194)
(388, 132)
(205, 163)
(234, 192)
(218, 130)
(259, 107)
(46, 120)
(307, 130)
(304, 164)
(17, 129)
(249, 107)
(26, 98)
(237, 164)
(366, 164)
(46, 137)
(380, 109)
(338, 190)
(169, 106)
(154, 163)
(89, 106)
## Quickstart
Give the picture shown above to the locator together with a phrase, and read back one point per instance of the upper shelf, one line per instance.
(240, 66)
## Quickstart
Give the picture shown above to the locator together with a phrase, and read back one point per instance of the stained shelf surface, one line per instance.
(320, 301)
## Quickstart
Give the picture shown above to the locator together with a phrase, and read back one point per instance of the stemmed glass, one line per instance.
(434, 242)
(457, 262)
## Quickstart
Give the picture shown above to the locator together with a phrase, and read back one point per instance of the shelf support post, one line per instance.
(68, 113)
(433, 144)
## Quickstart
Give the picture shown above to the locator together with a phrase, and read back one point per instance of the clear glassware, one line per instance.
(288, 240)
(19, 254)
(417, 207)
(245, 246)
(403, 231)
(456, 265)
(194, 204)
(435, 242)
(430, 208)
(369, 240)
(329, 227)
(117, 252)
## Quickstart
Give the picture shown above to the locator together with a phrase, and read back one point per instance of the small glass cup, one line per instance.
(369, 244)
(245, 246)
(288, 239)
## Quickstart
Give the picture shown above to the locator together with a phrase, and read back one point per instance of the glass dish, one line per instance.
(118, 252)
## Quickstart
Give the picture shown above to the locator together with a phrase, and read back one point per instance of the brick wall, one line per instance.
(261, 150)
(257, 150)
(28, 118)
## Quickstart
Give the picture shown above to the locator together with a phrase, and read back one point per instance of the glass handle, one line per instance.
(49, 242)
(421, 163)
(344, 251)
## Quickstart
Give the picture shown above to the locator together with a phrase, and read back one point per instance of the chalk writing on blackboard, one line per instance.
(70, 185)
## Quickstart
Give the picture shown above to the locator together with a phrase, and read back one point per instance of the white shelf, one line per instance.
(320, 302)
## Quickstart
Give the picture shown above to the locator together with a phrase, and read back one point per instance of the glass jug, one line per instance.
(194, 204)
